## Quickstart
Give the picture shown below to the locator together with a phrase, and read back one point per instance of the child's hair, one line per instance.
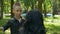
(16, 4)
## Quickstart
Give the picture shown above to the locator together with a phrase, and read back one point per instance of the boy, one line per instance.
(16, 23)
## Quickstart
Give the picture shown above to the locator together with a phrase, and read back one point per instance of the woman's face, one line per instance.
(17, 11)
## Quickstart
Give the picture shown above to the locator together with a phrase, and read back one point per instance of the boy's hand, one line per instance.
(1, 28)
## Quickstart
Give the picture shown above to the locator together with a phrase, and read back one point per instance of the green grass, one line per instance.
(2, 22)
(52, 25)
(52, 28)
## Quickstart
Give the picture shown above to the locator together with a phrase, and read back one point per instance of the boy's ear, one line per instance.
(13, 11)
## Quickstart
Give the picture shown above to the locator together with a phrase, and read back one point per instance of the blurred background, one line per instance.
(50, 10)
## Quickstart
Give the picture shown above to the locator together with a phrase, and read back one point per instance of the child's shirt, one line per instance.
(16, 26)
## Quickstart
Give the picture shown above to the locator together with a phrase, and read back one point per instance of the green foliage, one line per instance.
(7, 6)
(47, 4)
(29, 3)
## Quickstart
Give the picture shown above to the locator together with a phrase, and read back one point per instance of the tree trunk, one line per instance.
(32, 4)
(2, 9)
(40, 5)
(12, 2)
(18, 0)
(54, 8)
(45, 14)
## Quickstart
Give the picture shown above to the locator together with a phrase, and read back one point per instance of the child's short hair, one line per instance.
(16, 4)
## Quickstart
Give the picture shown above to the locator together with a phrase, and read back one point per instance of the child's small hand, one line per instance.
(1, 28)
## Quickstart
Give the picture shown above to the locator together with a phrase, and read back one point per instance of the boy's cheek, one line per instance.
(18, 13)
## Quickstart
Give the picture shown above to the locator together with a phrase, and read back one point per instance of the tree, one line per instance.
(47, 7)
(45, 14)
(2, 8)
(40, 5)
(17, 0)
(33, 3)
(26, 4)
(12, 2)
(29, 3)
(54, 7)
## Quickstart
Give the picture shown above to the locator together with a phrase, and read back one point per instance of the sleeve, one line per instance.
(6, 26)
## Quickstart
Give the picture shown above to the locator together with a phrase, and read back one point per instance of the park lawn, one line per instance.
(3, 21)
(52, 27)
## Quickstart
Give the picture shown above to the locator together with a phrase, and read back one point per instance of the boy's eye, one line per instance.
(20, 10)
(17, 10)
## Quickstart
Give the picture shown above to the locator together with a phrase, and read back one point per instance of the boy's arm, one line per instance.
(6, 26)
(1, 28)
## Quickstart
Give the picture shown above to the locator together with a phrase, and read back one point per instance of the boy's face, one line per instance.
(17, 11)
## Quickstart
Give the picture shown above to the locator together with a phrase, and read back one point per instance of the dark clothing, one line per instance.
(14, 26)
(34, 23)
